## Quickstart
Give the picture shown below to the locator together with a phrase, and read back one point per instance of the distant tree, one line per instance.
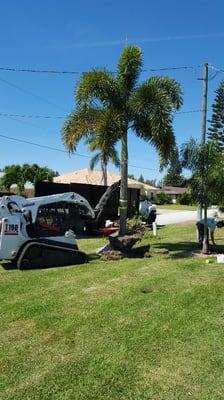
(163, 198)
(185, 199)
(216, 130)
(12, 175)
(34, 173)
(131, 176)
(160, 183)
(174, 175)
(151, 182)
(21, 174)
(141, 179)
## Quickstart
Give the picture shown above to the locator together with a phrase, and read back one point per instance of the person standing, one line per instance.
(212, 223)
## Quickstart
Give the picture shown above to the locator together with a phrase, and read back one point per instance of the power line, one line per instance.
(33, 116)
(216, 68)
(59, 72)
(21, 121)
(39, 145)
(185, 67)
(28, 92)
(187, 112)
(29, 116)
(217, 71)
(139, 167)
(60, 150)
(40, 71)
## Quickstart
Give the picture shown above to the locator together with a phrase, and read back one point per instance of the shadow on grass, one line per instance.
(185, 249)
(8, 266)
(217, 249)
(177, 250)
(93, 257)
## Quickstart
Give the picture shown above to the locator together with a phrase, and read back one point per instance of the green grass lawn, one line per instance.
(177, 207)
(89, 332)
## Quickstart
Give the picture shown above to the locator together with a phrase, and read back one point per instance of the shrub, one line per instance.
(185, 199)
(163, 198)
(135, 224)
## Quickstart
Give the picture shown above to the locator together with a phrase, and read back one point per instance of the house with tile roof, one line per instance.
(173, 192)
(94, 177)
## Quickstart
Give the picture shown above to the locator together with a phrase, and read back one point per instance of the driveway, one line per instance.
(176, 217)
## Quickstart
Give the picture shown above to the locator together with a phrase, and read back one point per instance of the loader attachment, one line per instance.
(101, 208)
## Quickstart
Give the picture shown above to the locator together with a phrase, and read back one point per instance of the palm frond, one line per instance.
(152, 119)
(105, 145)
(148, 98)
(110, 125)
(190, 154)
(79, 125)
(114, 157)
(129, 69)
(107, 130)
(103, 141)
(171, 87)
(94, 160)
(98, 88)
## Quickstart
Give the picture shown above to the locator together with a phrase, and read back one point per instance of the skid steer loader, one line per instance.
(40, 232)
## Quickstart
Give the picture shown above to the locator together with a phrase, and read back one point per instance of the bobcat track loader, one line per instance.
(40, 232)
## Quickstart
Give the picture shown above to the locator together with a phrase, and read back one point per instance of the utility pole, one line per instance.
(204, 102)
(204, 117)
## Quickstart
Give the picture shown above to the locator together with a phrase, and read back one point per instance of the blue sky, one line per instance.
(78, 35)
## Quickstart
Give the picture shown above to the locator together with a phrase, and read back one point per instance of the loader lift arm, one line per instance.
(100, 209)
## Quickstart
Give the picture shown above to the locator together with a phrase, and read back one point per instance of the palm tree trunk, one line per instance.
(124, 184)
(205, 247)
(104, 172)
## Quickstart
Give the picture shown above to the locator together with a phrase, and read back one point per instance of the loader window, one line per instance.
(55, 219)
(13, 207)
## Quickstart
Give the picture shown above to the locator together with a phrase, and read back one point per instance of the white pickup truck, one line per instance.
(147, 210)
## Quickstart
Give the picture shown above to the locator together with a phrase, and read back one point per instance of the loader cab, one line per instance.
(56, 218)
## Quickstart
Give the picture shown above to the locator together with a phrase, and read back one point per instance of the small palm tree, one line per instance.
(117, 104)
(207, 166)
(105, 152)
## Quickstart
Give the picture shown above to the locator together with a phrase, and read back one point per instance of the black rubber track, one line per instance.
(45, 254)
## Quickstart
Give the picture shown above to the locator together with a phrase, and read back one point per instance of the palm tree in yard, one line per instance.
(206, 163)
(104, 147)
(117, 103)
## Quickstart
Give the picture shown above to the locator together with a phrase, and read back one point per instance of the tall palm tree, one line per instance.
(104, 147)
(116, 104)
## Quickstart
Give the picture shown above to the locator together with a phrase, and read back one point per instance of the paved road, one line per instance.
(164, 218)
